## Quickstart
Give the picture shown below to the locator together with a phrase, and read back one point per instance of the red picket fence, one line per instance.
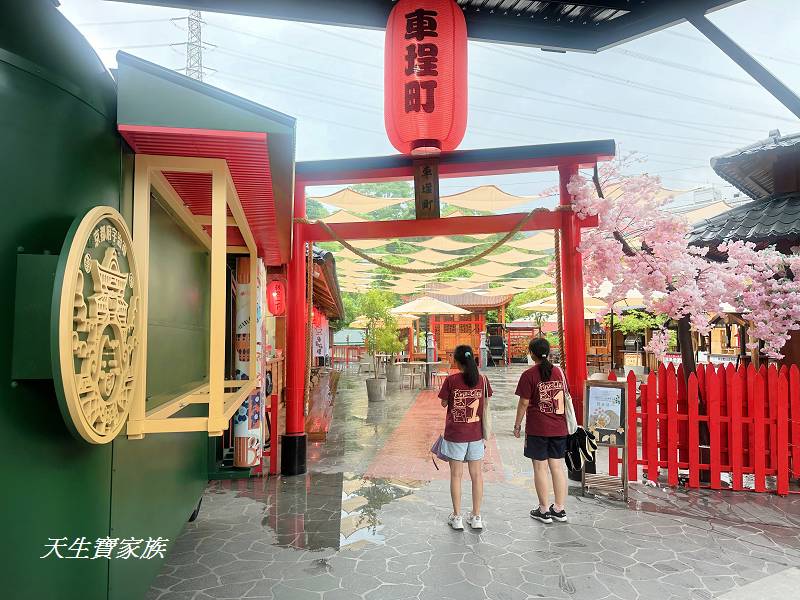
(725, 420)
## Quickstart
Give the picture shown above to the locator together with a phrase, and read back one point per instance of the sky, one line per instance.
(672, 98)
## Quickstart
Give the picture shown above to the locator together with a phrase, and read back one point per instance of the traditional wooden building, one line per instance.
(767, 171)
(450, 331)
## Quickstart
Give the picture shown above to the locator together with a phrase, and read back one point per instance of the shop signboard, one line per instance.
(96, 329)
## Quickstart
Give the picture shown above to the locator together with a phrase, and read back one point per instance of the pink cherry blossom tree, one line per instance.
(641, 244)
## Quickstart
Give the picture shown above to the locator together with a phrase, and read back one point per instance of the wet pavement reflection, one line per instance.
(369, 521)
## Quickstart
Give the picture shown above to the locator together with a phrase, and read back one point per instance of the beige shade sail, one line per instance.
(347, 266)
(450, 291)
(404, 287)
(368, 244)
(529, 282)
(446, 243)
(351, 200)
(590, 303)
(461, 284)
(512, 257)
(503, 290)
(492, 269)
(403, 321)
(342, 216)
(432, 256)
(486, 197)
(346, 254)
(426, 305)
(538, 242)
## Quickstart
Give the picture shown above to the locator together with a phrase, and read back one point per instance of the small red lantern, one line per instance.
(317, 317)
(425, 70)
(276, 297)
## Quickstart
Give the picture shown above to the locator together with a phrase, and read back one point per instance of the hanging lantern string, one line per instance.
(462, 263)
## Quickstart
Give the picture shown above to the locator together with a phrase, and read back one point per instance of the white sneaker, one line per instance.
(456, 522)
(475, 521)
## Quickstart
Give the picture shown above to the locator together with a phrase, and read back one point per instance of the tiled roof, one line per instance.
(764, 222)
(751, 168)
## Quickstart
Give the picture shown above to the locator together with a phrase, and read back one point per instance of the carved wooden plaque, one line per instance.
(96, 326)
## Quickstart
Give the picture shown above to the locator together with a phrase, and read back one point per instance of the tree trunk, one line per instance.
(687, 347)
(689, 367)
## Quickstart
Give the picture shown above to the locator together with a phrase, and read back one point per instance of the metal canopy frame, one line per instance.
(559, 25)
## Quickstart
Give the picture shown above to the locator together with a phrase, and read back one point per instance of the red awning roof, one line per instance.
(247, 156)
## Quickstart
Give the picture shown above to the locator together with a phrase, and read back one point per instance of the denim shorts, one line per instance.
(464, 451)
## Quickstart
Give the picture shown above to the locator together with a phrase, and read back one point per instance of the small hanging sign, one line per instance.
(426, 187)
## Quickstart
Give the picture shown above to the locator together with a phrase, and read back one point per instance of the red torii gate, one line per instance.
(567, 158)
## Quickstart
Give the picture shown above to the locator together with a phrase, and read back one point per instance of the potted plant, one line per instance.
(389, 343)
(375, 306)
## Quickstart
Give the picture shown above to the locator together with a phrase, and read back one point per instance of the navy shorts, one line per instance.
(539, 447)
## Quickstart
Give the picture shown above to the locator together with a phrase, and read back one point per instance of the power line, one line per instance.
(131, 22)
(703, 40)
(683, 67)
(638, 85)
(571, 101)
(593, 126)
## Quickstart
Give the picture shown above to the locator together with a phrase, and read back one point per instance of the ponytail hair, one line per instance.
(465, 357)
(540, 348)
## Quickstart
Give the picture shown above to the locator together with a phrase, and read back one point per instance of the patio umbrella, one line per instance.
(427, 306)
(591, 306)
(403, 321)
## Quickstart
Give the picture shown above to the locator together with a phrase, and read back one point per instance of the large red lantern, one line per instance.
(276, 297)
(425, 87)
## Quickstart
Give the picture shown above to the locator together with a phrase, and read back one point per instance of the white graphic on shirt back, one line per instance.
(465, 405)
(551, 397)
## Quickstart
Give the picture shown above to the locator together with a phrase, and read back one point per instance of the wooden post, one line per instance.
(694, 432)
(293, 451)
(216, 359)
(652, 428)
(736, 386)
(141, 249)
(782, 434)
(632, 427)
(572, 292)
(672, 427)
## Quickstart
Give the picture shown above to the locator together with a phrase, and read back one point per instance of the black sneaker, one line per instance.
(558, 515)
(544, 517)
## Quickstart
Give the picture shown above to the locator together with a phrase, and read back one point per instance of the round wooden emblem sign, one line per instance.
(95, 326)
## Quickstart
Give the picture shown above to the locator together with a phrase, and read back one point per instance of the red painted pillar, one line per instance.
(572, 293)
(293, 446)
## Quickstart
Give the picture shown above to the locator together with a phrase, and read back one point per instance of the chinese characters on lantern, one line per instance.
(421, 61)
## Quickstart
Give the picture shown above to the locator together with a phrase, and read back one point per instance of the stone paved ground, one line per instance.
(339, 534)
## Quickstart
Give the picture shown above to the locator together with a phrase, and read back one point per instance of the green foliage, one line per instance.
(315, 210)
(388, 189)
(381, 334)
(553, 339)
(386, 340)
(635, 322)
(352, 309)
(513, 311)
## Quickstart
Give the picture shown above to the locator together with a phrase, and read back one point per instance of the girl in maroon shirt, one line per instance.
(542, 391)
(464, 395)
